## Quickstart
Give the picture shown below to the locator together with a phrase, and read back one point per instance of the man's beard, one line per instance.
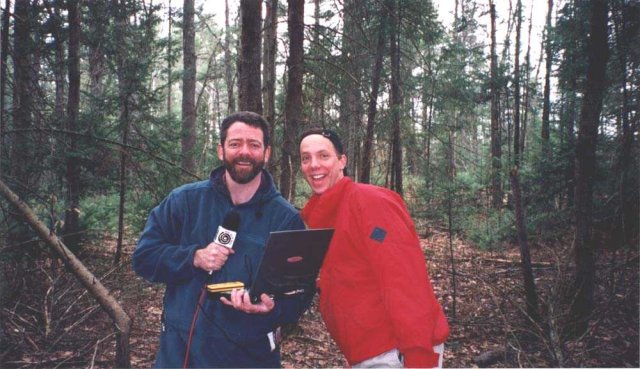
(245, 175)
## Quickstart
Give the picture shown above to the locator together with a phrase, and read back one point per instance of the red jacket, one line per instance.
(375, 293)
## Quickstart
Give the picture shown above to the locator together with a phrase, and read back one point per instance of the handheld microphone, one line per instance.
(227, 231)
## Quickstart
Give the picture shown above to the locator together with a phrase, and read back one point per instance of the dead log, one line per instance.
(122, 321)
(488, 358)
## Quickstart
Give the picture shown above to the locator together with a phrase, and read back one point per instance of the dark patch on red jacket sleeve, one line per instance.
(378, 234)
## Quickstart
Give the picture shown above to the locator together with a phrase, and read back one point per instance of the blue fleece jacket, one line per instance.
(186, 220)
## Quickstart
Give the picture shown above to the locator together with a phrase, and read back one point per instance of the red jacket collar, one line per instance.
(321, 210)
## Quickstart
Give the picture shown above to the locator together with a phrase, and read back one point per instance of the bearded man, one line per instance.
(176, 248)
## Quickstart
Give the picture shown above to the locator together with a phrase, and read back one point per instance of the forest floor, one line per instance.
(51, 322)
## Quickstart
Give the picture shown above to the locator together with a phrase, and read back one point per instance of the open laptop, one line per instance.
(291, 262)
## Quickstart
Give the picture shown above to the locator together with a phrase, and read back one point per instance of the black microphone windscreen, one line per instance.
(231, 221)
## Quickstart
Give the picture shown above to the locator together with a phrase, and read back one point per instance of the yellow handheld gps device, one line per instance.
(224, 287)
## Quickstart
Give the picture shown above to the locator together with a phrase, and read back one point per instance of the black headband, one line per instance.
(326, 133)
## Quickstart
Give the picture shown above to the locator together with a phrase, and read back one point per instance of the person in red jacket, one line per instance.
(376, 298)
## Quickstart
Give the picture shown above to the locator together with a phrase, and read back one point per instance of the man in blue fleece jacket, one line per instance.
(176, 248)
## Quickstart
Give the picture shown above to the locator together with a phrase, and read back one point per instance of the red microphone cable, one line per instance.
(193, 326)
(225, 237)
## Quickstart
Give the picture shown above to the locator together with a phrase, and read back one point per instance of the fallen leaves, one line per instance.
(485, 315)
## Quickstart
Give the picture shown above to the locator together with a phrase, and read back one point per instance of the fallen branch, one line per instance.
(122, 321)
(81, 351)
(93, 358)
(31, 342)
(488, 358)
(91, 309)
(517, 262)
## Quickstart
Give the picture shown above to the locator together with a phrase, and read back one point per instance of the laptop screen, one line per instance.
(291, 262)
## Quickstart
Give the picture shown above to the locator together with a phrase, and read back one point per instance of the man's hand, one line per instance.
(240, 300)
(212, 257)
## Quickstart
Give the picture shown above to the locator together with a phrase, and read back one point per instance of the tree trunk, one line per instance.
(269, 76)
(122, 185)
(122, 322)
(516, 87)
(546, 101)
(525, 257)
(269, 60)
(531, 296)
(228, 62)
(250, 49)
(124, 90)
(59, 64)
(97, 69)
(4, 51)
(452, 259)
(411, 147)
(451, 153)
(496, 129)
(22, 95)
(350, 96)
(570, 169)
(238, 59)
(188, 137)
(428, 103)
(527, 89)
(318, 110)
(71, 232)
(396, 100)
(597, 53)
(628, 213)
(293, 104)
(169, 61)
(23, 86)
(367, 155)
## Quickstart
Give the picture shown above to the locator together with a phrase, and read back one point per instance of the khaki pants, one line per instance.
(392, 359)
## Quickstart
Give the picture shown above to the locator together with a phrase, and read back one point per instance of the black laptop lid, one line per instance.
(291, 262)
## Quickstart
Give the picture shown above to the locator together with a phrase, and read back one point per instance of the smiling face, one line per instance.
(321, 164)
(243, 152)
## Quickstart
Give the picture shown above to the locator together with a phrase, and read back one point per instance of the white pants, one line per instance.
(391, 359)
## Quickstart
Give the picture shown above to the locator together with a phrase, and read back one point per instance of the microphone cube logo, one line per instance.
(225, 237)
